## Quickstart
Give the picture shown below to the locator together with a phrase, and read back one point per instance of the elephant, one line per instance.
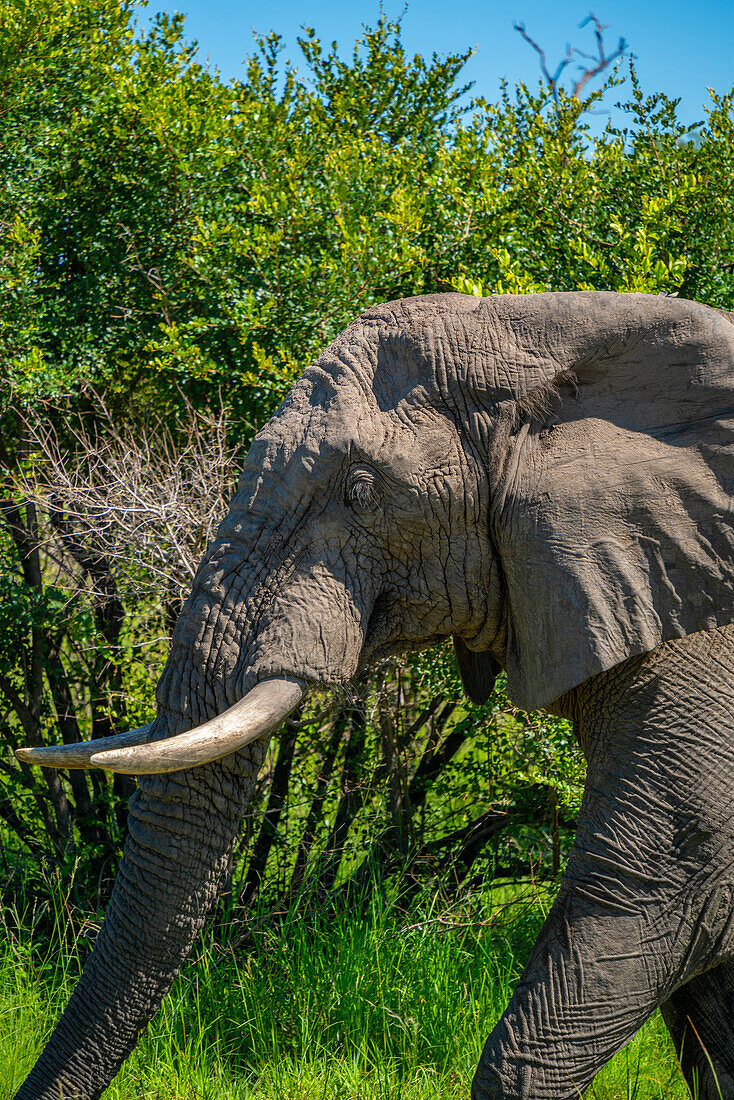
(549, 480)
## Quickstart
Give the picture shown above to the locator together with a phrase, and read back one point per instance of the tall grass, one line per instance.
(373, 1007)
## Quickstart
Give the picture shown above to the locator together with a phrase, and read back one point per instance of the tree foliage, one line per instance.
(173, 245)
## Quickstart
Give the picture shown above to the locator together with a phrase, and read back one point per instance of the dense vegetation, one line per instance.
(174, 250)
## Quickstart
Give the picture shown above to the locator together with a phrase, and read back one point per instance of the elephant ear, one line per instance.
(478, 671)
(612, 478)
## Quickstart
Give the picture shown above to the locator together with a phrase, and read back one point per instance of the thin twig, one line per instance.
(600, 62)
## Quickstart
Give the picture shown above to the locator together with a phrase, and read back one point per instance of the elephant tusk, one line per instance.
(80, 753)
(258, 714)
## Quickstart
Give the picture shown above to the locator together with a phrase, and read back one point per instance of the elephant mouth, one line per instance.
(384, 638)
(397, 647)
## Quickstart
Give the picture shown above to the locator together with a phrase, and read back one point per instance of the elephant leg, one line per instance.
(587, 988)
(700, 1019)
(646, 900)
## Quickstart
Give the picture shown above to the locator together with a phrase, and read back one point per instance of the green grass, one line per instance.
(380, 1008)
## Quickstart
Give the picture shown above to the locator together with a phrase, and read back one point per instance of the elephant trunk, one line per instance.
(181, 830)
(182, 824)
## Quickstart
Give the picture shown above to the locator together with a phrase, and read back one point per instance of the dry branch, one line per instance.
(599, 63)
(140, 505)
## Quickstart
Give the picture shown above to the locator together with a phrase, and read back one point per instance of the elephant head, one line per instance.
(547, 478)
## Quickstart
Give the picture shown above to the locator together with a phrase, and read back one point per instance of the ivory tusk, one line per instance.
(79, 754)
(258, 714)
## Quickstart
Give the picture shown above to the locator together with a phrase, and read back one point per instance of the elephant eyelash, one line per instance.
(362, 492)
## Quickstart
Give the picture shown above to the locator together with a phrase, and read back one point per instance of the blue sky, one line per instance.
(681, 46)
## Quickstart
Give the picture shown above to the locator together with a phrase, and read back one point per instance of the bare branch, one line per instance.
(552, 80)
(600, 61)
(133, 512)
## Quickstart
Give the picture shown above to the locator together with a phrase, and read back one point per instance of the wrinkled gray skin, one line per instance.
(548, 479)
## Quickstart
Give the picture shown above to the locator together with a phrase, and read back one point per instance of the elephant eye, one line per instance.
(362, 494)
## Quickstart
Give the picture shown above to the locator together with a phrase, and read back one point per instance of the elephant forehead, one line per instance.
(403, 443)
(326, 421)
